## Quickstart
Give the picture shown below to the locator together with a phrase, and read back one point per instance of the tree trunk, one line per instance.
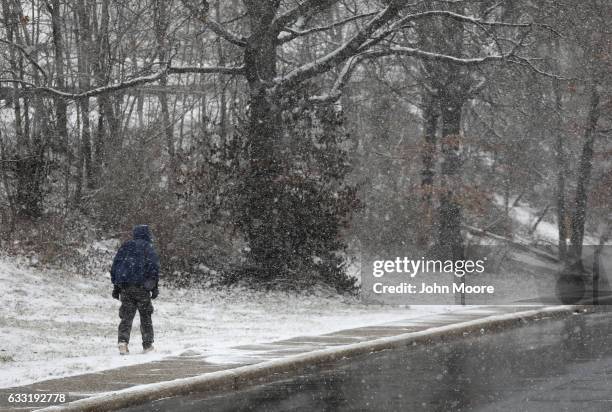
(78, 177)
(450, 210)
(106, 116)
(161, 26)
(262, 132)
(98, 154)
(582, 184)
(428, 152)
(28, 161)
(61, 125)
(222, 98)
(561, 162)
(260, 63)
(83, 38)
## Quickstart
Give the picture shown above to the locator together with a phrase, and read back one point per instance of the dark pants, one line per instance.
(136, 297)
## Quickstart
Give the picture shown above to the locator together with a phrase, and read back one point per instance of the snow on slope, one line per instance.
(526, 216)
(56, 324)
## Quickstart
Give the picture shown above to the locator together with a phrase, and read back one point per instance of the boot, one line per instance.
(147, 348)
(123, 348)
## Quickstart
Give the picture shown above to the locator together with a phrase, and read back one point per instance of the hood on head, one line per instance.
(142, 232)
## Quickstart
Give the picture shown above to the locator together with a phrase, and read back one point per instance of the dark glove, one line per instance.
(116, 292)
(154, 293)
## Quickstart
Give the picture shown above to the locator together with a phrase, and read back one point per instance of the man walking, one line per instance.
(135, 275)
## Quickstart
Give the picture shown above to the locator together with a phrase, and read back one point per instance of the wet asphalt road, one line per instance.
(545, 366)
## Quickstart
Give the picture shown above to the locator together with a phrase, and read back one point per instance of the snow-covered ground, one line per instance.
(56, 324)
(526, 216)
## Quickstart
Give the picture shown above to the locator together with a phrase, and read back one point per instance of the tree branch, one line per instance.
(525, 62)
(109, 88)
(27, 55)
(221, 31)
(336, 91)
(206, 70)
(350, 65)
(343, 52)
(409, 51)
(308, 6)
(215, 27)
(401, 23)
(363, 40)
(293, 34)
(462, 18)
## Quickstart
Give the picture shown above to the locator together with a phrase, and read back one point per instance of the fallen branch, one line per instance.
(520, 245)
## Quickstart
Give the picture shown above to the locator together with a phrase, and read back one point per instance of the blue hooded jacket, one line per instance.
(136, 261)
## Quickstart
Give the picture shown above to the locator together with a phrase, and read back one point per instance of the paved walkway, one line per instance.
(188, 365)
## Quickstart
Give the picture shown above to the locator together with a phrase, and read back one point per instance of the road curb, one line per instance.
(238, 378)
